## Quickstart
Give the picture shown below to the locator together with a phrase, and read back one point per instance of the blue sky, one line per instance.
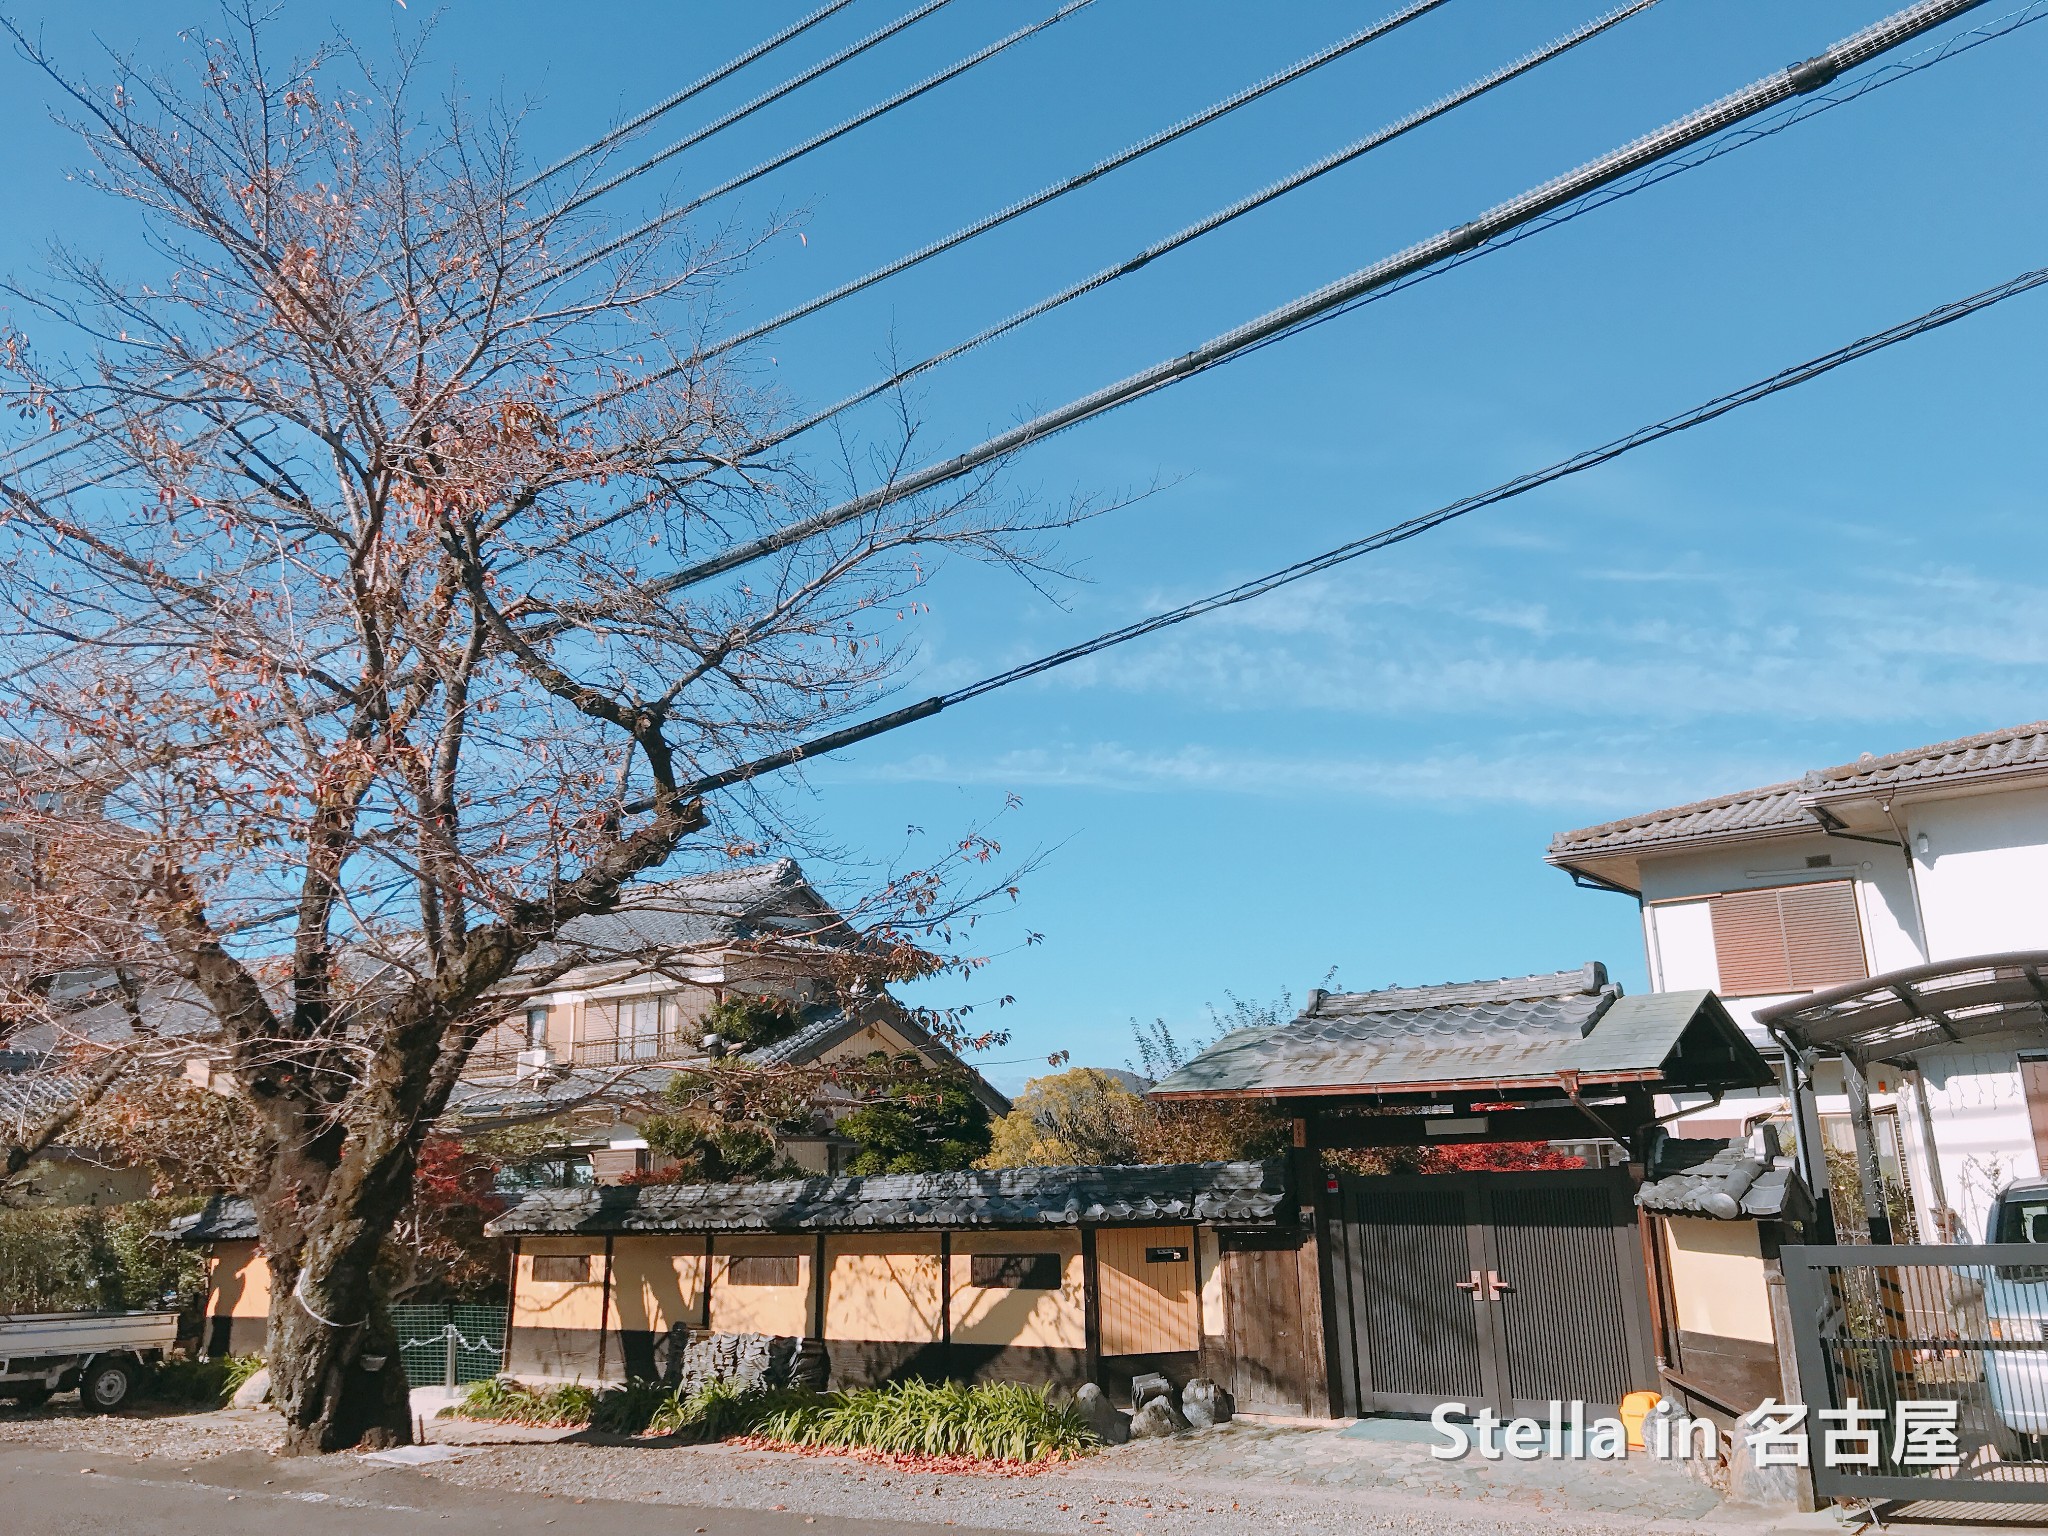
(1361, 772)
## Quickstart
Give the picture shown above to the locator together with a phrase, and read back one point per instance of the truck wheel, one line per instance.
(107, 1384)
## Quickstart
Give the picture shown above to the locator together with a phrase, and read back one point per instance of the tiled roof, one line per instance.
(226, 1219)
(1526, 1031)
(698, 911)
(1230, 1193)
(1725, 1180)
(1783, 807)
(34, 1086)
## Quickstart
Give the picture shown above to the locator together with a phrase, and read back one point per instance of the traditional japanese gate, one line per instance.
(1508, 1290)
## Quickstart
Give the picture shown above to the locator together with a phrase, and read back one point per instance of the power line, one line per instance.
(1110, 274)
(1385, 538)
(696, 88)
(795, 152)
(1058, 189)
(719, 124)
(1651, 148)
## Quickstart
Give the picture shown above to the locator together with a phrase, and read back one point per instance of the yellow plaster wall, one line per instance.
(1037, 1319)
(1717, 1277)
(238, 1282)
(558, 1303)
(776, 1309)
(656, 1281)
(883, 1288)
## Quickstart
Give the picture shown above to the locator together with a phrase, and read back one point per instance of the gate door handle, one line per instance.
(1470, 1285)
(1495, 1286)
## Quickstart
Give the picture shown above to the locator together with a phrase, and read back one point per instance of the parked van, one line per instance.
(2016, 1311)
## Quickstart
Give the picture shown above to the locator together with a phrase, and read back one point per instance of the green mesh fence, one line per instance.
(427, 1335)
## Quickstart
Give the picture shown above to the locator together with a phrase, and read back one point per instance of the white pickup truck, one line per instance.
(99, 1353)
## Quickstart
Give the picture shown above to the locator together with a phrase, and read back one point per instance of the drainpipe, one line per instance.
(1912, 881)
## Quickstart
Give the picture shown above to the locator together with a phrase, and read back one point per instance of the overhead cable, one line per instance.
(696, 88)
(1780, 86)
(795, 152)
(1300, 69)
(1670, 426)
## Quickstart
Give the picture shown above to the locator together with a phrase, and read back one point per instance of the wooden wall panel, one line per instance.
(1009, 1317)
(883, 1289)
(1148, 1307)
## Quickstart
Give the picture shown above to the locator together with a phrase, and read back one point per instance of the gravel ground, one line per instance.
(175, 1433)
(1236, 1481)
(1244, 1479)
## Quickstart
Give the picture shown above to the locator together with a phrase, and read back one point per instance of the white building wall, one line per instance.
(1984, 876)
(1981, 1128)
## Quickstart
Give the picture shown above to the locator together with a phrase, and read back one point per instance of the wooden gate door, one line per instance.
(1504, 1290)
(1268, 1360)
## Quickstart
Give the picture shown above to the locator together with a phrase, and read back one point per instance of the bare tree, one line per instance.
(338, 591)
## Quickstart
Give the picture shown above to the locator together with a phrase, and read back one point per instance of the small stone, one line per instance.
(1145, 1388)
(254, 1392)
(1157, 1420)
(1110, 1426)
(1204, 1403)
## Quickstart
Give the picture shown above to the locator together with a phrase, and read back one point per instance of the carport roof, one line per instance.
(1499, 1038)
(1894, 1016)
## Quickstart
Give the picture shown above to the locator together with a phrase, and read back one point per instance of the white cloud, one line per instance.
(1549, 773)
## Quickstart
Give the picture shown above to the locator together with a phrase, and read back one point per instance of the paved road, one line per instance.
(52, 1493)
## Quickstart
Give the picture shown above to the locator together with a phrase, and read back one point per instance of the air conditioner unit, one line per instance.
(539, 1062)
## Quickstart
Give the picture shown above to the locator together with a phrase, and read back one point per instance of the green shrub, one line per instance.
(999, 1420)
(626, 1410)
(96, 1257)
(515, 1402)
(201, 1383)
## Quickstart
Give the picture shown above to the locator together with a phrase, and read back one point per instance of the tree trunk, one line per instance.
(323, 1381)
(335, 1370)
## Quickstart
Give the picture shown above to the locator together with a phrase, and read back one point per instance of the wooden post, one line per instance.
(1788, 1366)
(705, 1310)
(1091, 1307)
(1944, 1223)
(946, 1304)
(604, 1309)
(814, 1316)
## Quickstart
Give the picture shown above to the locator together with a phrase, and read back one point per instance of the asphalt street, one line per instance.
(59, 1493)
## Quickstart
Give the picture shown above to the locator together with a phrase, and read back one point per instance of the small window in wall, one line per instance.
(763, 1269)
(561, 1268)
(1787, 938)
(1015, 1271)
(1166, 1255)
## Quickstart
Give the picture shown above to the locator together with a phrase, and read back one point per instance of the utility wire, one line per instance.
(719, 124)
(795, 152)
(1058, 189)
(1385, 538)
(1107, 275)
(1773, 89)
(696, 88)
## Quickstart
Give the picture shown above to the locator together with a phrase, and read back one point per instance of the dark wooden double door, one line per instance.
(1501, 1290)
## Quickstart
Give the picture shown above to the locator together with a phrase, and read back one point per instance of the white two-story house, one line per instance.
(1939, 854)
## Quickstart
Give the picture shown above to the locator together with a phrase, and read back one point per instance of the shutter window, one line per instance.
(1787, 939)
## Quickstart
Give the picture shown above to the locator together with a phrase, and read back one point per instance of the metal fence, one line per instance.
(1924, 1369)
(450, 1345)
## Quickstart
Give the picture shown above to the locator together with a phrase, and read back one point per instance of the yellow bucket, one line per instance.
(1634, 1409)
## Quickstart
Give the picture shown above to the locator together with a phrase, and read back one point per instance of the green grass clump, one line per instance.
(998, 1420)
(201, 1383)
(515, 1402)
(626, 1410)
(723, 1409)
